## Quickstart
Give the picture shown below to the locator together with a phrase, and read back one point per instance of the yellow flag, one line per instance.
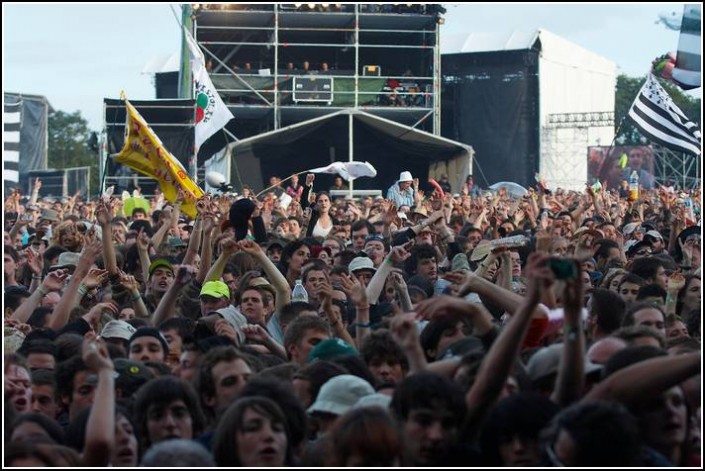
(144, 152)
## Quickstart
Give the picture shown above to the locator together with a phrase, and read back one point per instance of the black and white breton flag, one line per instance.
(687, 71)
(11, 144)
(661, 121)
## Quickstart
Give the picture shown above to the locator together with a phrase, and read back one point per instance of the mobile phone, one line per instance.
(564, 269)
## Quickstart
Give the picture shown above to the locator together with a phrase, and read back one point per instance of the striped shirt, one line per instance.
(400, 198)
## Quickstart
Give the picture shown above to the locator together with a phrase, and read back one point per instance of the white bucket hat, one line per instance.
(405, 177)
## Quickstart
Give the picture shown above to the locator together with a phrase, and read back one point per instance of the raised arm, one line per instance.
(100, 428)
(376, 285)
(70, 296)
(646, 379)
(103, 216)
(206, 248)
(227, 248)
(167, 306)
(54, 281)
(500, 359)
(571, 372)
(281, 286)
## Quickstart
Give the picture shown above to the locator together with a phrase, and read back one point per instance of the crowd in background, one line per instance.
(552, 328)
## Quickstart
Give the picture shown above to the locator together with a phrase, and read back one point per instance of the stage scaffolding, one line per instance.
(384, 59)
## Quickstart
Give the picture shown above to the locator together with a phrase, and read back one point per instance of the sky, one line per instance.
(78, 54)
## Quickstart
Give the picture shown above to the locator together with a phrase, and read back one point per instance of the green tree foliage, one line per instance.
(626, 91)
(68, 144)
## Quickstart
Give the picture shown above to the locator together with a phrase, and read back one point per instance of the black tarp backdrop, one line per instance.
(389, 147)
(171, 120)
(490, 100)
(33, 135)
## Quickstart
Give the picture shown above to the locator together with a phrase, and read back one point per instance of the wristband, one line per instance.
(135, 297)
(364, 326)
(36, 277)
(41, 290)
(82, 290)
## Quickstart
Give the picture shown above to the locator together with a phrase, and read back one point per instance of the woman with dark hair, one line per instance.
(294, 256)
(321, 222)
(252, 433)
(166, 408)
(689, 296)
(365, 437)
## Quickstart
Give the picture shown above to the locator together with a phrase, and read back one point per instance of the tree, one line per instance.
(68, 144)
(626, 91)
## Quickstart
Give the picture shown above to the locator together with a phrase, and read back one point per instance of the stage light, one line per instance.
(440, 20)
(196, 6)
(311, 6)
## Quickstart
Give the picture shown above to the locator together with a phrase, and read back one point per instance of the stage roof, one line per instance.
(390, 147)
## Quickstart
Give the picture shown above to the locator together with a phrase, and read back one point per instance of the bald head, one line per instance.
(603, 349)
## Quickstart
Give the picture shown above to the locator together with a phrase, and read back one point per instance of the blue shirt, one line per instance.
(400, 198)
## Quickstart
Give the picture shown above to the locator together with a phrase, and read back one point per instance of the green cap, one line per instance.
(160, 263)
(331, 348)
(216, 289)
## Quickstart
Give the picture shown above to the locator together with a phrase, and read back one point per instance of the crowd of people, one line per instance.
(297, 328)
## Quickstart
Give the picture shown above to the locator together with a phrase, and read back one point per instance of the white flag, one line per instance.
(211, 113)
(348, 170)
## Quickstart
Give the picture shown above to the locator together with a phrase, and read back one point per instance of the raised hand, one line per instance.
(55, 280)
(539, 276)
(95, 355)
(256, 333)
(224, 329)
(35, 262)
(185, 274)
(404, 332)
(310, 178)
(93, 316)
(229, 246)
(250, 247)
(95, 277)
(359, 294)
(91, 252)
(399, 253)
(142, 241)
(129, 282)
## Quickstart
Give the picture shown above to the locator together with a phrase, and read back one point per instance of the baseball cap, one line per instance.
(340, 393)
(216, 289)
(331, 348)
(160, 262)
(66, 260)
(361, 263)
(117, 329)
(655, 234)
(545, 363)
(629, 228)
(131, 375)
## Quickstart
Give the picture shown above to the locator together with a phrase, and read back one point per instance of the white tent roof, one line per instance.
(487, 42)
(162, 63)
